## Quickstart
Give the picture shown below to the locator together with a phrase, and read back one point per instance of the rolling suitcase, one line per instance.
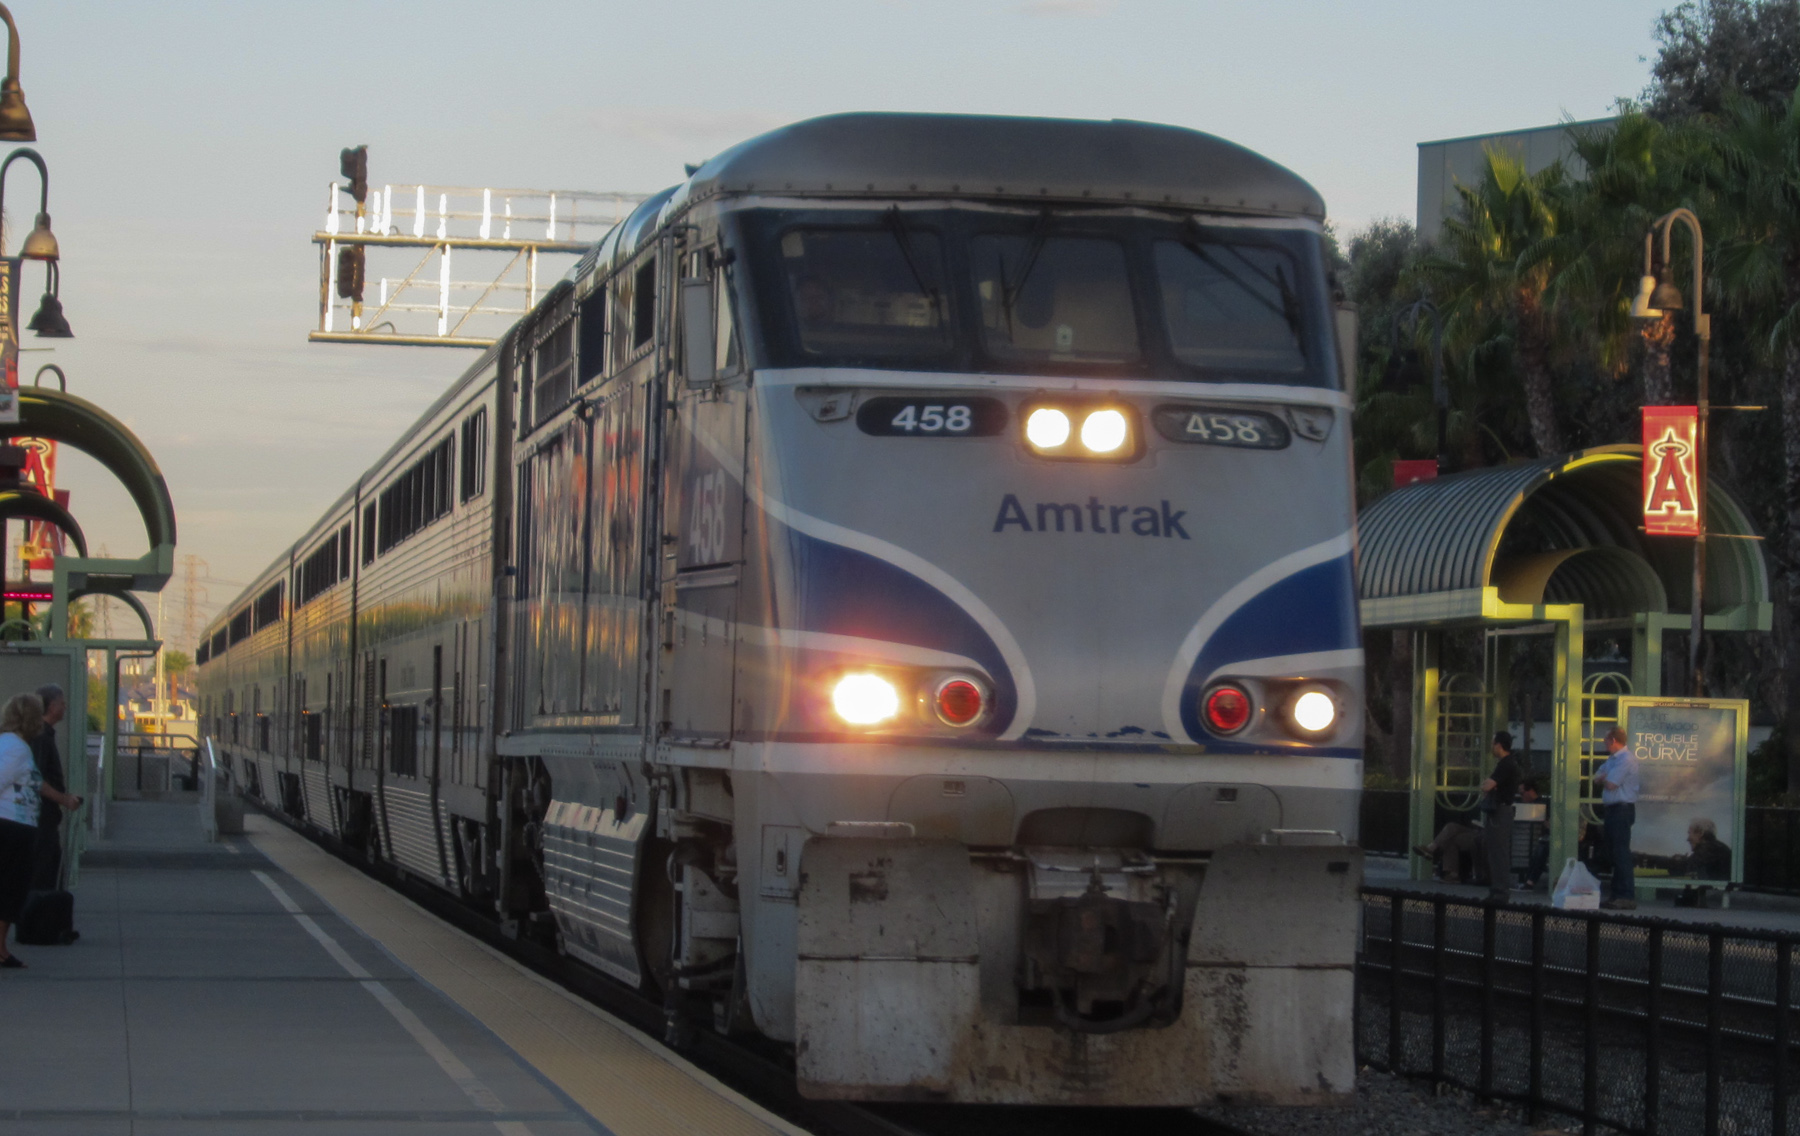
(48, 919)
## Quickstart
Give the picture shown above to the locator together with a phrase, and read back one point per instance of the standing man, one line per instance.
(46, 854)
(1617, 778)
(1502, 789)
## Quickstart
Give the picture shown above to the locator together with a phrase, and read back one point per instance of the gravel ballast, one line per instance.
(1385, 1105)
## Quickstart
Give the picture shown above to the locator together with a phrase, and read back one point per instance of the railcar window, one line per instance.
(239, 627)
(1232, 306)
(474, 455)
(403, 740)
(875, 293)
(643, 305)
(417, 497)
(1066, 299)
(591, 351)
(368, 533)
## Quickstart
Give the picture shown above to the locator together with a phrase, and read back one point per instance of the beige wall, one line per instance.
(1457, 161)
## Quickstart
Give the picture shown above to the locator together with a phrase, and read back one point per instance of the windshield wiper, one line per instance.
(1010, 293)
(896, 224)
(1289, 307)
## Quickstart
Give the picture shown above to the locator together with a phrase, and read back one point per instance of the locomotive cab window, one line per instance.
(873, 293)
(1232, 306)
(1060, 299)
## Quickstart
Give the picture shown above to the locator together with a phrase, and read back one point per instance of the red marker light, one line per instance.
(1227, 709)
(959, 702)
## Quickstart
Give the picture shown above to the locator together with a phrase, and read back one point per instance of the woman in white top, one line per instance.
(21, 786)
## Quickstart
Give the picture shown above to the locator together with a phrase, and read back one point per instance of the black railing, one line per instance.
(1772, 848)
(1634, 1023)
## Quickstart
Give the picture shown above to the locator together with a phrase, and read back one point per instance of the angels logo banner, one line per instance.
(1671, 480)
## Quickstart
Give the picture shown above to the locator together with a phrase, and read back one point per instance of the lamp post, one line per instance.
(15, 119)
(40, 244)
(1657, 294)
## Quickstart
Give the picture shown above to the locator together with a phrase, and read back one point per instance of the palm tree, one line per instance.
(1495, 270)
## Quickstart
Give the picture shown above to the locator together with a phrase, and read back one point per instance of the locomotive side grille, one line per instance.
(590, 860)
(414, 840)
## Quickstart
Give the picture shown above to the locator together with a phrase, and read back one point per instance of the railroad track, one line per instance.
(761, 1070)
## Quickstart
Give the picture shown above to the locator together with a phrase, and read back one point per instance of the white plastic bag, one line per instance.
(1576, 888)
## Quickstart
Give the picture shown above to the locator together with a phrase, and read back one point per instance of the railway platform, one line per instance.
(258, 986)
(1747, 910)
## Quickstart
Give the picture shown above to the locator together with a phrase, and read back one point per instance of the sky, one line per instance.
(190, 144)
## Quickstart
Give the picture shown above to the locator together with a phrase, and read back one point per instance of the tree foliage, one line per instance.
(1535, 272)
(1710, 48)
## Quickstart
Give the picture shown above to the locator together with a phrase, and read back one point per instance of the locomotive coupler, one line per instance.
(1103, 952)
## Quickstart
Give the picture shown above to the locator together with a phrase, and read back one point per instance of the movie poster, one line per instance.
(1691, 760)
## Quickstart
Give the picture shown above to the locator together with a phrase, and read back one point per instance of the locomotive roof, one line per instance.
(938, 155)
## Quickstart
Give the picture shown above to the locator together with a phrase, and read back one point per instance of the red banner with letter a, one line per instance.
(1671, 480)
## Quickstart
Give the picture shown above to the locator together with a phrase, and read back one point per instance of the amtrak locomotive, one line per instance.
(894, 596)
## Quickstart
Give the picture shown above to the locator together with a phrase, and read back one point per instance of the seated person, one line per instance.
(1446, 851)
(1709, 857)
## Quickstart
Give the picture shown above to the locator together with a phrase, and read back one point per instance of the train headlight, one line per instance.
(1047, 428)
(864, 699)
(1227, 709)
(1313, 712)
(1104, 431)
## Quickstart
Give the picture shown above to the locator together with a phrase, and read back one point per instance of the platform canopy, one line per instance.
(1507, 542)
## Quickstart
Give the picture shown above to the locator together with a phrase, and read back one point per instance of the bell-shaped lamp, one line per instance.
(1641, 308)
(48, 322)
(15, 119)
(40, 243)
(1667, 297)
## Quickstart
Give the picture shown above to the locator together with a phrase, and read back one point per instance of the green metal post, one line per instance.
(1565, 775)
(1427, 647)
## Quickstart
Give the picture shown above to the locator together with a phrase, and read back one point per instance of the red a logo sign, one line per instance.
(1671, 486)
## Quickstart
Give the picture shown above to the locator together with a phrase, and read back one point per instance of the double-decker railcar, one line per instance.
(893, 596)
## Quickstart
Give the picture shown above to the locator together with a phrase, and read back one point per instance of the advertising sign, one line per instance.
(1671, 487)
(1691, 755)
(9, 337)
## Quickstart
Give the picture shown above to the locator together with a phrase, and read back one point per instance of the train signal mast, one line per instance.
(505, 233)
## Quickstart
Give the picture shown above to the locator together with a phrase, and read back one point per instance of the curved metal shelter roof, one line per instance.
(1557, 530)
(956, 155)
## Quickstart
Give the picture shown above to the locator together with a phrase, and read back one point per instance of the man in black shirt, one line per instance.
(1500, 790)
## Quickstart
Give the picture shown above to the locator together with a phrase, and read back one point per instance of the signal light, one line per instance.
(353, 163)
(1227, 709)
(864, 699)
(1313, 712)
(960, 702)
(1047, 428)
(350, 273)
(1104, 431)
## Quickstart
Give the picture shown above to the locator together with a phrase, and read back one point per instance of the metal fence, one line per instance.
(1638, 1024)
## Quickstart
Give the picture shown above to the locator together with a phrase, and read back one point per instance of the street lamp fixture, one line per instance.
(48, 322)
(40, 243)
(1657, 294)
(15, 120)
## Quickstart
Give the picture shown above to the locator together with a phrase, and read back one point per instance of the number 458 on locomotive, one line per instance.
(894, 596)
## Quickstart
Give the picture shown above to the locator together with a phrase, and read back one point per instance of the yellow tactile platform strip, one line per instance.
(622, 1078)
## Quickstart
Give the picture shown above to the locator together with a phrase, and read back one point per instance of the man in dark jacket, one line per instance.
(1501, 789)
(46, 853)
